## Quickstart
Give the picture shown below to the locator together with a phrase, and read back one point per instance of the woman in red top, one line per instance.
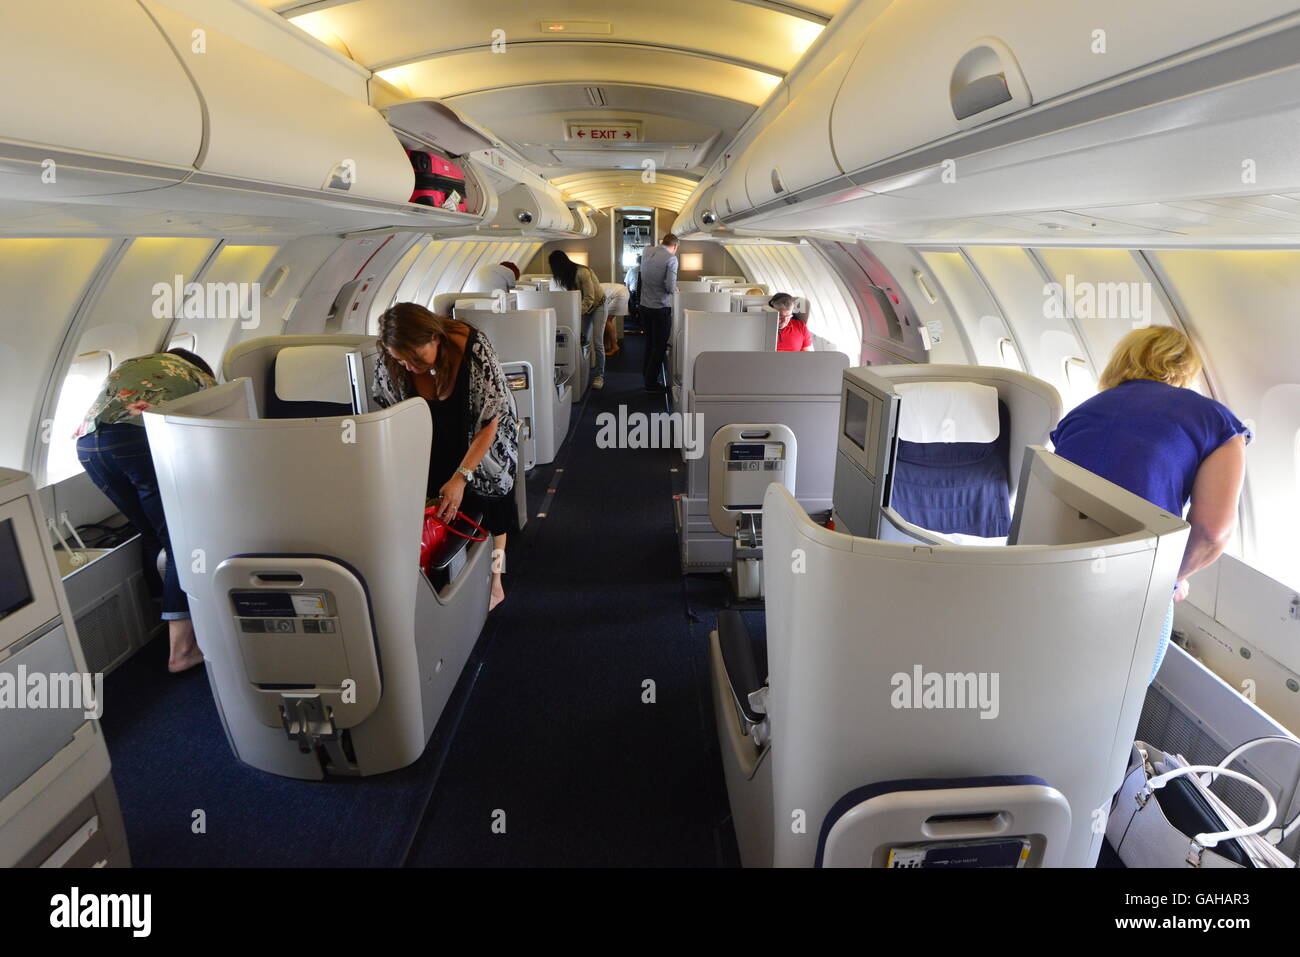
(792, 331)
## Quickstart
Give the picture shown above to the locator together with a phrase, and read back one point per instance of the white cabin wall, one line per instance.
(1240, 306)
(44, 284)
(904, 264)
(801, 270)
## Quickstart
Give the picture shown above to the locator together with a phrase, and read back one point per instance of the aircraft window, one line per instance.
(801, 270)
(970, 298)
(1009, 354)
(1080, 381)
(84, 379)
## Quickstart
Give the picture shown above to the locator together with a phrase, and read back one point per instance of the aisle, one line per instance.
(557, 747)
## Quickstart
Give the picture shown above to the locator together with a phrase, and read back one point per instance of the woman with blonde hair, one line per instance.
(1149, 432)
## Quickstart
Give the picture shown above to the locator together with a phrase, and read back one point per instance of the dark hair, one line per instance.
(512, 267)
(407, 326)
(782, 300)
(192, 359)
(564, 269)
(669, 240)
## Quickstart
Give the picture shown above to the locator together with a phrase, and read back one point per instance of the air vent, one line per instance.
(596, 95)
(105, 640)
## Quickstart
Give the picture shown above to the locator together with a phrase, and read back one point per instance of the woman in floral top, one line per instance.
(113, 448)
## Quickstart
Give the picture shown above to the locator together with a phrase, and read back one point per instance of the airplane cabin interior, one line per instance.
(683, 594)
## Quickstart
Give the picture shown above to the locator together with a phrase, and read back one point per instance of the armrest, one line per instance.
(738, 659)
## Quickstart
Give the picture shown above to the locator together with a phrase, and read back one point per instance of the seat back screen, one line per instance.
(15, 588)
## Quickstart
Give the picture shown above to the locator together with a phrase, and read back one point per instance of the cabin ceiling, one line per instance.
(683, 76)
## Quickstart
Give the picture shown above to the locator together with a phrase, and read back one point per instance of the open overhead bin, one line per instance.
(233, 122)
(526, 204)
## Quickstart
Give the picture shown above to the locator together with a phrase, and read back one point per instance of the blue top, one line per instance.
(1147, 437)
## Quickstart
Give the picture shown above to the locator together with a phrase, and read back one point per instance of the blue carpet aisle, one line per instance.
(556, 735)
(547, 723)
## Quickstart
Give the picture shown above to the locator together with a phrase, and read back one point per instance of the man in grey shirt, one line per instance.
(657, 282)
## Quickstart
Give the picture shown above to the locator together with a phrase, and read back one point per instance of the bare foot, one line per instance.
(498, 594)
(185, 660)
(185, 652)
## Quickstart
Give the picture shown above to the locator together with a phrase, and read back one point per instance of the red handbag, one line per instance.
(436, 531)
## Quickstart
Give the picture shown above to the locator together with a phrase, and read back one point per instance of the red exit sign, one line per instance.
(606, 133)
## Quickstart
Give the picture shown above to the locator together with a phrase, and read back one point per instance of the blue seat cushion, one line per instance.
(956, 487)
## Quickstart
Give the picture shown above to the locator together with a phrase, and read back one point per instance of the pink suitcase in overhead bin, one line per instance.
(444, 167)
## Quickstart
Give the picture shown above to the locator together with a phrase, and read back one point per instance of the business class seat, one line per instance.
(962, 435)
(445, 302)
(526, 338)
(1020, 689)
(328, 650)
(701, 301)
(715, 332)
(573, 358)
(800, 390)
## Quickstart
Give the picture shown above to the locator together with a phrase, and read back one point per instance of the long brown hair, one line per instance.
(406, 327)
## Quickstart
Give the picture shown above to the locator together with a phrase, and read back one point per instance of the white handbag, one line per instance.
(1142, 834)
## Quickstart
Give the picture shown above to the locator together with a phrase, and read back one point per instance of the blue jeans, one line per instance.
(1164, 642)
(117, 459)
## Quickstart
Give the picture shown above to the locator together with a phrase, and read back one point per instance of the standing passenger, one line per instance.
(1146, 431)
(475, 447)
(113, 448)
(493, 277)
(657, 282)
(574, 276)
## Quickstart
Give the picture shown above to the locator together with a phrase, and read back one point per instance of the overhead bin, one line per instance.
(698, 215)
(954, 66)
(268, 122)
(932, 83)
(122, 98)
(794, 150)
(583, 224)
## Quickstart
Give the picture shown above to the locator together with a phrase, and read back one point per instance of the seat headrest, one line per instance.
(947, 412)
(313, 374)
(473, 304)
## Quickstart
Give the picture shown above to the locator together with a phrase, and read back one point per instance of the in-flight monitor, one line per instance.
(15, 588)
(864, 458)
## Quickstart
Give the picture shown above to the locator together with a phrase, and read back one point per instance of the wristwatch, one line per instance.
(466, 474)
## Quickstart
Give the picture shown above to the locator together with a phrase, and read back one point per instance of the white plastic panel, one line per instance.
(1237, 306)
(41, 283)
(1045, 342)
(117, 85)
(972, 306)
(912, 50)
(296, 136)
(243, 266)
(1110, 292)
(794, 150)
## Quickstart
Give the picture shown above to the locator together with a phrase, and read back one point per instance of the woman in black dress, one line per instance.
(453, 367)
